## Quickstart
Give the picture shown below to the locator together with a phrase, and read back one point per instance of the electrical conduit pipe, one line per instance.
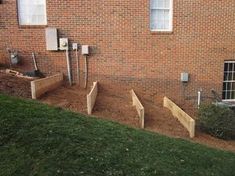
(68, 67)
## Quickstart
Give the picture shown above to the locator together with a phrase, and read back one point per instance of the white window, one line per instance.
(161, 15)
(32, 12)
(229, 81)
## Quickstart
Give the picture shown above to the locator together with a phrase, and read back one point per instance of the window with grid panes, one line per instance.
(161, 15)
(229, 81)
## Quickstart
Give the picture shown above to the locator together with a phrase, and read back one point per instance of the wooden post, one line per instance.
(139, 107)
(91, 98)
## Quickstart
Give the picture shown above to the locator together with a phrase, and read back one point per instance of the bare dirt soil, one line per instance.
(210, 141)
(159, 119)
(117, 106)
(113, 105)
(72, 98)
(12, 85)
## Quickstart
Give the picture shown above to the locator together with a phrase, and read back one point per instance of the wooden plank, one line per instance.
(187, 121)
(41, 86)
(12, 72)
(18, 74)
(139, 107)
(91, 98)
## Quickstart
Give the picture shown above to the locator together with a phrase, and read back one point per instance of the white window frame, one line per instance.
(170, 20)
(226, 99)
(23, 23)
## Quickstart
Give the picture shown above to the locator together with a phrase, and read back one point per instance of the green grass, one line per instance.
(39, 140)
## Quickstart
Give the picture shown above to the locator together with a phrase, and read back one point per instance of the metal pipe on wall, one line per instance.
(199, 99)
(68, 67)
(78, 68)
(86, 73)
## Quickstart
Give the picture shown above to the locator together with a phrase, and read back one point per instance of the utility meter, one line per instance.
(64, 44)
(75, 46)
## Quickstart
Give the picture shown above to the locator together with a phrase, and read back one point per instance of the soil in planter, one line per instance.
(108, 106)
(117, 106)
(14, 86)
(72, 98)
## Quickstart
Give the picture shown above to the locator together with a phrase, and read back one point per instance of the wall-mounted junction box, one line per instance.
(64, 43)
(51, 39)
(85, 50)
(75, 46)
(184, 77)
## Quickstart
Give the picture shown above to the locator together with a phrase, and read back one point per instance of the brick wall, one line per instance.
(125, 53)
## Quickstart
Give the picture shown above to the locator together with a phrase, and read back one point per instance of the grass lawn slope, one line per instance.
(36, 139)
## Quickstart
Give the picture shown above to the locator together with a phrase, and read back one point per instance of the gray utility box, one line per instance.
(184, 77)
(85, 50)
(51, 39)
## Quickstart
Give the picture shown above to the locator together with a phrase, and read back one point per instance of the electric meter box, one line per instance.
(64, 43)
(51, 39)
(85, 49)
(184, 77)
(75, 46)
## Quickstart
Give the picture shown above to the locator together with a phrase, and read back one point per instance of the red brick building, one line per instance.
(141, 43)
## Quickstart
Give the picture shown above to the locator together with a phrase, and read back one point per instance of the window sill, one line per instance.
(32, 26)
(229, 101)
(162, 32)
